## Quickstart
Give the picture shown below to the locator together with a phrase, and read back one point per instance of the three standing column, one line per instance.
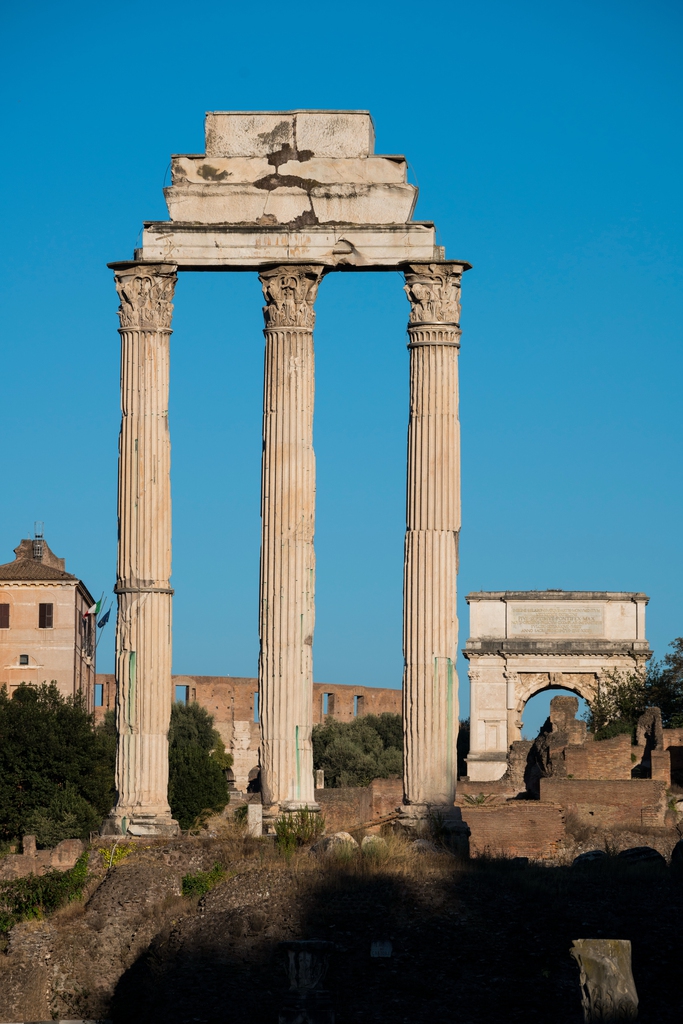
(143, 627)
(430, 624)
(287, 594)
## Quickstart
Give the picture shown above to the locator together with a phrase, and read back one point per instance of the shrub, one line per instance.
(354, 753)
(33, 897)
(198, 884)
(293, 830)
(67, 816)
(52, 762)
(197, 760)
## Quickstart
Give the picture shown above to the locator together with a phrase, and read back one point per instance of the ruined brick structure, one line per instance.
(565, 779)
(233, 702)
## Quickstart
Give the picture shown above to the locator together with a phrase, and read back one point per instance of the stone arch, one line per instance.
(583, 684)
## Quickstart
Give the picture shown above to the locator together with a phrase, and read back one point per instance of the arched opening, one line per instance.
(537, 708)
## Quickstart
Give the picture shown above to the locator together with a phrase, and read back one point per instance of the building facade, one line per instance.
(46, 634)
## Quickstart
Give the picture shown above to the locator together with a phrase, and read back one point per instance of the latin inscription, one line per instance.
(562, 619)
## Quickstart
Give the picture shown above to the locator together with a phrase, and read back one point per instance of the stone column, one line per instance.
(143, 626)
(430, 625)
(287, 606)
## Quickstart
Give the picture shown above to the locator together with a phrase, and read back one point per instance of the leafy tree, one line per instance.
(354, 753)
(56, 770)
(197, 762)
(623, 697)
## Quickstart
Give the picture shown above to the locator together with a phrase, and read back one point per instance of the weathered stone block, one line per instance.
(323, 133)
(608, 992)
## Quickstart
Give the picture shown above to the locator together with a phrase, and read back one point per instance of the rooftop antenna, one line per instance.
(38, 542)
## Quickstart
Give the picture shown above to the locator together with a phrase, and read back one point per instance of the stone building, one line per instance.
(523, 642)
(45, 633)
(233, 702)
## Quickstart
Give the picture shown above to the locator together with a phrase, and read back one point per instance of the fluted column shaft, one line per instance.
(287, 595)
(143, 627)
(430, 624)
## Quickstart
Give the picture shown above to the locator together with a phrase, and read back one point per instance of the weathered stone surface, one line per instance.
(373, 844)
(255, 820)
(309, 133)
(608, 992)
(430, 625)
(339, 841)
(287, 606)
(23, 992)
(286, 204)
(362, 246)
(143, 626)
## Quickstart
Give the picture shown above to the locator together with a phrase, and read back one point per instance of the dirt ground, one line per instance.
(479, 942)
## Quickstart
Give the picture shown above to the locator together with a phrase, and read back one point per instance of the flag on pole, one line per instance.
(95, 610)
(105, 618)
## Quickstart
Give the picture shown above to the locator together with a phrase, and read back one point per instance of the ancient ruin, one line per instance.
(293, 196)
(522, 642)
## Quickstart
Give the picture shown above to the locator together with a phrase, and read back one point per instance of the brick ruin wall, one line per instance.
(230, 699)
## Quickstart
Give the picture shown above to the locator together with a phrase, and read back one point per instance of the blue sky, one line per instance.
(545, 139)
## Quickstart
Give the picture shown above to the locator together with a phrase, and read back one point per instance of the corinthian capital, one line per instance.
(290, 292)
(433, 290)
(146, 295)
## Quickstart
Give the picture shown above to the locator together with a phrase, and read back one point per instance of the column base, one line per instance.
(117, 824)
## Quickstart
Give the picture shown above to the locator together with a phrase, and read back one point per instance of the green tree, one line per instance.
(354, 753)
(56, 769)
(623, 697)
(197, 763)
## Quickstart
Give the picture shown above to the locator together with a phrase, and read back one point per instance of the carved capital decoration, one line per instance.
(146, 296)
(433, 290)
(290, 293)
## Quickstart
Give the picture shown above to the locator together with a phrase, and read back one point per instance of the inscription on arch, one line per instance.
(562, 619)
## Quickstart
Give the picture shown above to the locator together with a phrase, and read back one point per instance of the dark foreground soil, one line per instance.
(480, 942)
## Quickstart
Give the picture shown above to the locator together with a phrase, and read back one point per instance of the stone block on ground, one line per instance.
(642, 855)
(373, 844)
(255, 820)
(590, 857)
(338, 842)
(608, 992)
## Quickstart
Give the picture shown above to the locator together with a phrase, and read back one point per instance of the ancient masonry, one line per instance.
(293, 196)
(523, 642)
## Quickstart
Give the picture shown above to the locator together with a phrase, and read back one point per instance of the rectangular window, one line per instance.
(182, 694)
(99, 695)
(328, 704)
(256, 718)
(23, 659)
(45, 616)
(358, 706)
(4, 616)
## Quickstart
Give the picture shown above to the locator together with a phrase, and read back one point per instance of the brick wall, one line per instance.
(673, 742)
(624, 804)
(601, 759)
(522, 828)
(230, 699)
(348, 807)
